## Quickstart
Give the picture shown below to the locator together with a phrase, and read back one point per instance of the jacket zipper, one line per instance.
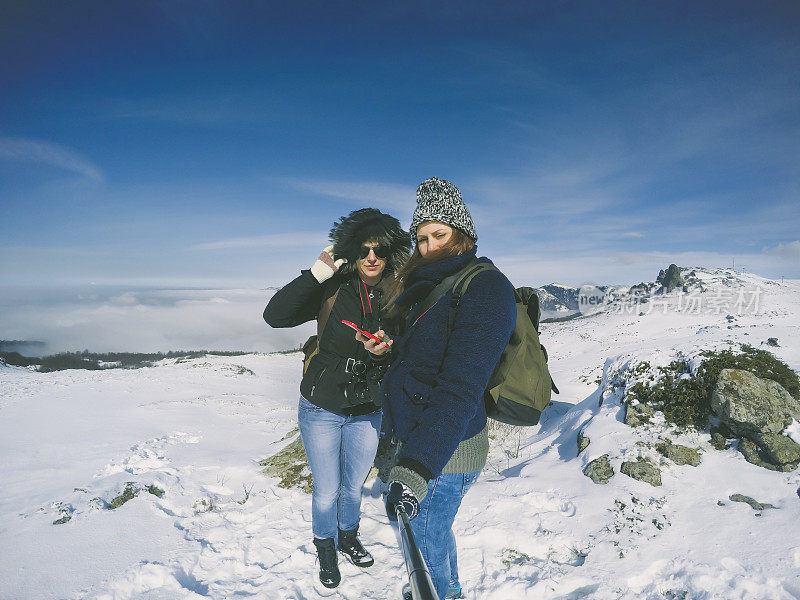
(321, 373)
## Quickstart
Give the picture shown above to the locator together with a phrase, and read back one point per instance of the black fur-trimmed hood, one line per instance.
(364, 225)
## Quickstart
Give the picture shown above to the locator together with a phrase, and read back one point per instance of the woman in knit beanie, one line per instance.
(433, 391)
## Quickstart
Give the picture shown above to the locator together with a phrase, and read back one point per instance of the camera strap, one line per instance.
(370, 312)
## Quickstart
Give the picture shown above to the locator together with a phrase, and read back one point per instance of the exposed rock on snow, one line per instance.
(719, 441)
(290, 465)
(748, 500)
(670, 279)
(680, 455)
(758, 455)
(599, 470)
(638, 414)
(557, 297)
(642, 470)
(751, 406)
(781, 449)
(129, 493)
(583, 442)
(758, 410)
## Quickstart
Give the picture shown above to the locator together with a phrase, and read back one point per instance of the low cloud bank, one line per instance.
(143, 320)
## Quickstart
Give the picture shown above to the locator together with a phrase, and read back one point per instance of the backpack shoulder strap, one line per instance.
(529, 297)
(329, 294)
(436, 293)
(460, 286)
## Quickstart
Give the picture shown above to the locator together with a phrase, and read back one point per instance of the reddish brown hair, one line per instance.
(458, 243)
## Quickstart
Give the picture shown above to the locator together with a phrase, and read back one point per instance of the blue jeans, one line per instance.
(433, 526)
(340, 452)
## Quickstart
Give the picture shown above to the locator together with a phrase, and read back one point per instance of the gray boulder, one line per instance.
(758, 410)
(638, 414)
(680, 455)
(751, 406)
(718, 441)
(671, 278)
(754, 504)
(754, 455)
(642, 470)
(780, 449)
(583, 442)
(599, 470)
(759, 456)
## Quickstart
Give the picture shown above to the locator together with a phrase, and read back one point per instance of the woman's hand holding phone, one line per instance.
(372, 345)
(376, 343)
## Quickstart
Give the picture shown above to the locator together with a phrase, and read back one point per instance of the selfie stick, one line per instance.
(418, 577)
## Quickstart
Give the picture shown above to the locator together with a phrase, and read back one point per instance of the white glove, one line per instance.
(326, 267)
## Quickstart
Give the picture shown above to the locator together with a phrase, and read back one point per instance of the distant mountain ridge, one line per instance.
(24, 347)
(560, 298)
(557, 297)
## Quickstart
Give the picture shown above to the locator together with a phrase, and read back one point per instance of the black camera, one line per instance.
(356, 368)
(356, 390)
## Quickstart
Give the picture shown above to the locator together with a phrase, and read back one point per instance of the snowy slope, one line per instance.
(533, 527)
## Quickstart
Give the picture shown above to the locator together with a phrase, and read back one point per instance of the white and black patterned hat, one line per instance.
(440, 200)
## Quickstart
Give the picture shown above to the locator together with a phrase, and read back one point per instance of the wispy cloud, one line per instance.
(196, 109)
(366, 193)
(789, 251)
(49, 153)
(299, 239)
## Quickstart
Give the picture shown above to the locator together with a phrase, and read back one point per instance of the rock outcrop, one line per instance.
(290, 465)
(642, 470)
(638, 414)
(680, 455)
(758, 411)
(583, 442)
(671, 278)
(599, 470)
(754, 504)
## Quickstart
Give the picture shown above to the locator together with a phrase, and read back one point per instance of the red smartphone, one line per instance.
(361, 331)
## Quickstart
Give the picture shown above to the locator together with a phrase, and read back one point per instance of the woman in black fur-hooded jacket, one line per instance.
(339, 411)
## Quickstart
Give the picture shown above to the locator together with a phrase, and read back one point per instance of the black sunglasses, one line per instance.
(381, 251)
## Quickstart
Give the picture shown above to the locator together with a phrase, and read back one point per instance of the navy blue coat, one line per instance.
(433, 391)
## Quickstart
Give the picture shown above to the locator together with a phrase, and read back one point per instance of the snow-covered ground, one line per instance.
(533, 527)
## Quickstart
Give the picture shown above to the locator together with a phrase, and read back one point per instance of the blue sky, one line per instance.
(212, 144)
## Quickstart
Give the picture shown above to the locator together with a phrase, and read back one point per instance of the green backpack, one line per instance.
(519, 388)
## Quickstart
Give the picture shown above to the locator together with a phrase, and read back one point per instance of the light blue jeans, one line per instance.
(433, 526)
(340, 452)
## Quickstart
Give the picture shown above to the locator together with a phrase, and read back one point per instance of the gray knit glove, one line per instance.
(326, 267)
(410, 479)
(400, 495)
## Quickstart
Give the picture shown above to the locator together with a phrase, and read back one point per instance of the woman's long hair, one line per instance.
(458, 243)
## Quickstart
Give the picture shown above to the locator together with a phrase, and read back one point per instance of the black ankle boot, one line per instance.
(351, 546)
(328, 562)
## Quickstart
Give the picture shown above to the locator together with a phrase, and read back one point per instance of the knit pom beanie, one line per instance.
(440, 200)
